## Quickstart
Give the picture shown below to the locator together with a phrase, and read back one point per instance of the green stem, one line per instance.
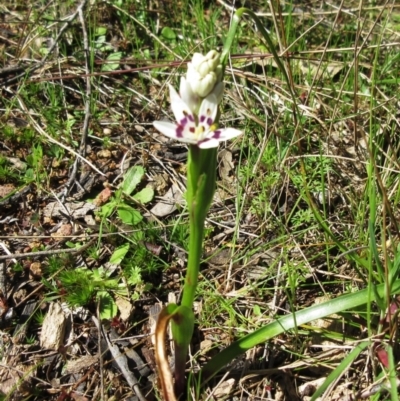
(194, 259)
(202, 165)
(201, 178)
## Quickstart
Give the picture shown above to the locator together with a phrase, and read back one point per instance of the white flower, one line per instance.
(204, 72)
(195, 129)
(188, 96)
(192, 100)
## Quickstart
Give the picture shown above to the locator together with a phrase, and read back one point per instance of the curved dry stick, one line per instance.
(164, 371)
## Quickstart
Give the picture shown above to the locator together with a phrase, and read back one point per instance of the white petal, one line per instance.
(188, 140)
(204, 86)
(208, 111)
(226, 133)
(208, 144)
(197, 59)
(178, 106)
(192, 75)
(166, 128)
(188, 96)
(170, 130)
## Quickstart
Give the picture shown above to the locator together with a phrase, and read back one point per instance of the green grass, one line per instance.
(314, 177)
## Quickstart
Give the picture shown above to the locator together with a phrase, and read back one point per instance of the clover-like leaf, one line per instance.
(113, 62)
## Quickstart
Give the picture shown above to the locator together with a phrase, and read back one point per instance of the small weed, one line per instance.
(30, 340)
(120, 202)
(7, 173)
(93, 253)
(180, 233)
(39, 317)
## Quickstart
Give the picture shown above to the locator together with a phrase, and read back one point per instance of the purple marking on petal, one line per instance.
(216, 134)
(183, 121)
(202, 118)
(179, 131)
(209, 121)
(191, 118)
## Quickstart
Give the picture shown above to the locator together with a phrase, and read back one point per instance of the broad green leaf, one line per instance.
(289, 322)
(257, 310)
(145, 195)
(107, 307)
(168, 33)
(132, 178)
(129, 215)
(118, 255)
(29, 175)
(100, 40)
(110, 65)
(147, 54)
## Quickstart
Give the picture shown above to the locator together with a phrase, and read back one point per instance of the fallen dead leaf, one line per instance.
(168, 203)
(102, 197)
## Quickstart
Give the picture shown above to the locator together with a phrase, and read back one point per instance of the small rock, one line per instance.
(63, 231)
(53, 329)
(125, 308)
(103, 197)
(104, 154)
(206, 345)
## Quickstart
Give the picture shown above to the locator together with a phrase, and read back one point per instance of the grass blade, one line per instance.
(341, 369)
(271, 330)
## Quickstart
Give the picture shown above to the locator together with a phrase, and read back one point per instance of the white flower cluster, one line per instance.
(204, 73)
(196, 106)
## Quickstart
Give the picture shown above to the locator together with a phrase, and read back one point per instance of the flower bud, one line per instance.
(204, 73)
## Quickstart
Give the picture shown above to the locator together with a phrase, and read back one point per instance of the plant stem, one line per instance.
(202, 166)
(201, 178)
(194, 258)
